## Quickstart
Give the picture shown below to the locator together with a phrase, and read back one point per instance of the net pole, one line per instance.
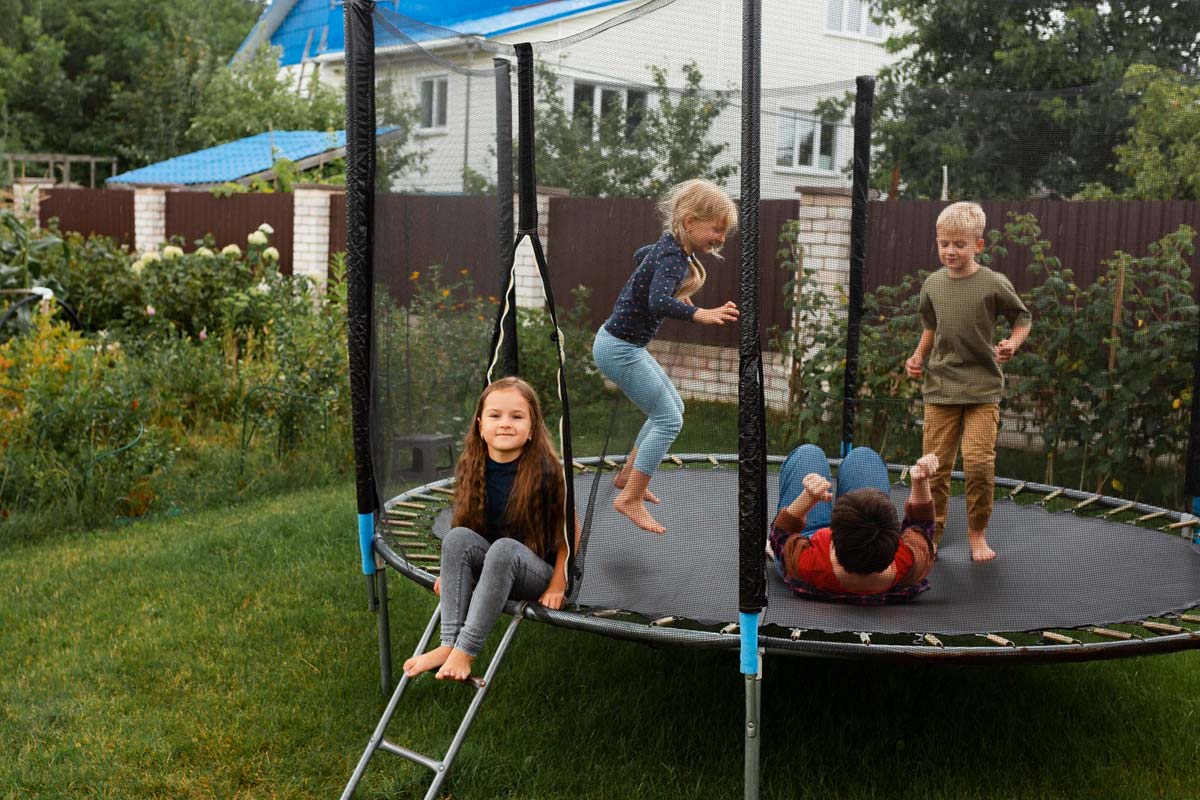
(752, 455)
(1191, 482)
(864, 103)
(505, 336)
(360, 192)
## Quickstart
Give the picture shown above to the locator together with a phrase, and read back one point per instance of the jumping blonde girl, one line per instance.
(506, 537)
(697, 215)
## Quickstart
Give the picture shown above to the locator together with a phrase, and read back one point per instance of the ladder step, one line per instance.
(411, 755)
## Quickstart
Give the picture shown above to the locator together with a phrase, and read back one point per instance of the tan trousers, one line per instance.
(973, 427)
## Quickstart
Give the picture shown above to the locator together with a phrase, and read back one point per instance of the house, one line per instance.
(812, 51)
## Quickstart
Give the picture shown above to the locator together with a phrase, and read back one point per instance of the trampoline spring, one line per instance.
(713, 460)
(864, 637)
(407, 504)
(996, 639)
(676, 460)
(405, 534)
(1189, 618)
(1150, 516)
(433, 569)
(391, 512)
(399, 523)
(931, 640)
(664, 621)
(1112, 512)
(1109, 633)
(608, 462)
(1053, 495)
(444, 490)
(1086, 503)
(1190, 522)
(423, 557)
(904, 474)
(730, 628)
(1017, 489)
(414, 546)
(604, 613)
(427, 498)
(798, 632)
(579, 466)
(1051, 636)
(1162, 627)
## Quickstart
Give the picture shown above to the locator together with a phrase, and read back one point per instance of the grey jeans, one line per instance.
(478, 577)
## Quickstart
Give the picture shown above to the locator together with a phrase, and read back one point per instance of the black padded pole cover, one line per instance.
(1191, 481)
(864, 102)
(528, 220)
(505, 331)
(360, 193)
(752, 439)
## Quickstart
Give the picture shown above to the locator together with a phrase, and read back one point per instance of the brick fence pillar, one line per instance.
(27, 197)
(310, 231)
(529, 283)
(149, 218)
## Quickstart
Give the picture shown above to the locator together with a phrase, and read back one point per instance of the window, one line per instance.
(626, 105)
(806, 142)
(433, 102)
(853, 17)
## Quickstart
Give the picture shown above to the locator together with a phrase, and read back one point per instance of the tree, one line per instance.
(254, 96)
(1018, 97)
(626, 157)
(1161, 155)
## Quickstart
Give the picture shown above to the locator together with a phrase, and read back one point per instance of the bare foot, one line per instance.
(623, 478)
(427, 661)
(638, 513)
(979, 546)
(457, 666)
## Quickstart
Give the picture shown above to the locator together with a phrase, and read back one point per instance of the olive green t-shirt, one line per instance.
(962, 313)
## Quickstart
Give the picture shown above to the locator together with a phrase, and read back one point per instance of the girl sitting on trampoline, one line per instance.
(506, 536)
(852, 548)
(697, 215)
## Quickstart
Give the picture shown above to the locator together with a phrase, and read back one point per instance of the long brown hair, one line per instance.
(536, 506)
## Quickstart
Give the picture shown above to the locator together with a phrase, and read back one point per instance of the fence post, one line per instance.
(149, 218)
(310, 232)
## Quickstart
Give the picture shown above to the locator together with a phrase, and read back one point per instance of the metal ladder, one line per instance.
(481, 685)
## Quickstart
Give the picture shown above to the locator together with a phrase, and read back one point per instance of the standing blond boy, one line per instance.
(963, 383)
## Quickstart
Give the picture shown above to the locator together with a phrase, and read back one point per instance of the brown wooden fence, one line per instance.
(192, 215)
(415, 232)
(89, 211)
(900, 235)
(592, 241)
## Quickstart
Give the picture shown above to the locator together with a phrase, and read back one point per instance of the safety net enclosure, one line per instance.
(605, 109)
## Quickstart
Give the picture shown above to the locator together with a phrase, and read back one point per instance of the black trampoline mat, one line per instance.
(1053, 570)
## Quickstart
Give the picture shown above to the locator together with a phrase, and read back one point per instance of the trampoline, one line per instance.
(1081, 575)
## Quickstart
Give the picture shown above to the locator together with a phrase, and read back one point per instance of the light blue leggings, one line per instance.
(646, 384)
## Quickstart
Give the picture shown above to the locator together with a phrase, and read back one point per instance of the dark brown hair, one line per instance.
(536, 506)
(865, 531)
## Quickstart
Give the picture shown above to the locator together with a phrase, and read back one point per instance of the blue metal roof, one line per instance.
(233, 160)
(311, 28)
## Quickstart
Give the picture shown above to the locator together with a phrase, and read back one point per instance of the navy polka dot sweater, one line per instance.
(647, 298)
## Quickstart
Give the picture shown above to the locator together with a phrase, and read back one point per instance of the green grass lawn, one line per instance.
(229, 654)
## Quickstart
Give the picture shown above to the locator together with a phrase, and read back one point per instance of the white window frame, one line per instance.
(845, 25)
(598, 90)
(823, 131)
(435, 82)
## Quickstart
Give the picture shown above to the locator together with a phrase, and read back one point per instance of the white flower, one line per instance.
(262, 288)
(136, 267)
(203, 251)
(257, 238)
(231, 250)
(151, 257)
(266, 228)
(171, 251)
(271, 254)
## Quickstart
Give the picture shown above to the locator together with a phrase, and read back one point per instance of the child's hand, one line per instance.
(817, 488)
(553, 596)
(437, 586)
(1005, 351)
(913, 366)
(925, 467)
(717, 316)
